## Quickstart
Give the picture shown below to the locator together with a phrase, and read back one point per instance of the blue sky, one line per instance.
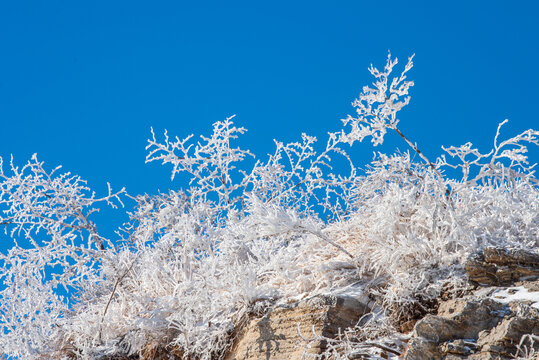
(81, 83)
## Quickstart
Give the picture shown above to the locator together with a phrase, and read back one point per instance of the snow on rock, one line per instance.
(518, 293)
(495, 322)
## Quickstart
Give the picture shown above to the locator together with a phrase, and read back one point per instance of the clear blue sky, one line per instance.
(82, 82)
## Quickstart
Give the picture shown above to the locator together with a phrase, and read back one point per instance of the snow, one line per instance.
(518, 293)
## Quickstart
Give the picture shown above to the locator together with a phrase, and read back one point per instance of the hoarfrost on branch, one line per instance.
(194, 262)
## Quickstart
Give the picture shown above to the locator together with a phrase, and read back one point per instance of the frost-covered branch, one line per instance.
(377, 108)
(211, 163)
(507, 161)
(194, 263)
(34, 200)
(51, 211)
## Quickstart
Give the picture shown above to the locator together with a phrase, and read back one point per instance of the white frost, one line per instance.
(518, 293)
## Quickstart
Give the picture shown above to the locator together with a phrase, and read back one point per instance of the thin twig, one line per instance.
(114, 291)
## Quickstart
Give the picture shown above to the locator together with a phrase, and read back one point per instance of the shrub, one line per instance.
(193, 263)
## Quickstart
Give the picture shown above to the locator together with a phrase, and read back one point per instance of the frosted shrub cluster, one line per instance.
(193, 264)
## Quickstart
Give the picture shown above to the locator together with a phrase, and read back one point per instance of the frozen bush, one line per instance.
(193, 263)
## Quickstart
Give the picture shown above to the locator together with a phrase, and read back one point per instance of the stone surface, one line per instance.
(276, 336)
(481, 325)
(502, 267)
(484, 329)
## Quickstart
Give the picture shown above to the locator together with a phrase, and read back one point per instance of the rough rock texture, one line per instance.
(502, 267)
(491, 322)
(275, 335)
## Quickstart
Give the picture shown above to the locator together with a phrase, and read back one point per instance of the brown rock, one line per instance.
(487, 356)
(459, 319)
(504, 338)
(501, 256)
(275, 335)
(422, 349)
(477, 326)
(458, 347)
(498, 266)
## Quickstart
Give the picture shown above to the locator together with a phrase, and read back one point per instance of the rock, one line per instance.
(459, 347)
(420, 348)
(502, 267)
(455, 328)
(505, 337)
(506, 257)
(275, 335)
(488, 323)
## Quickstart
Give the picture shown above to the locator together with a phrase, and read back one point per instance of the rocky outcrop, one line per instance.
(276, 335)
(502, 267)
(497, 318)
(474, 328)
(497, 321)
